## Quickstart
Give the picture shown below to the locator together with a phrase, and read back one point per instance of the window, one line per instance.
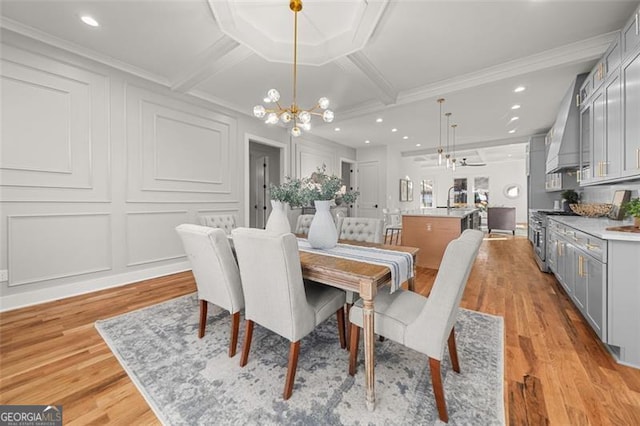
(426, 193)
(481, 192)
(460, 192)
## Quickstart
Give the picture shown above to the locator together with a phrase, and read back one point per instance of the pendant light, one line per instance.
(448, 156)
(440, 150)
(453, 160)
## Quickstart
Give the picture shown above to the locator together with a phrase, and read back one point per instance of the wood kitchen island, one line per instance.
(432, 229)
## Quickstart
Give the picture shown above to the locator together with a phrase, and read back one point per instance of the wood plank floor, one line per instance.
(556, 370)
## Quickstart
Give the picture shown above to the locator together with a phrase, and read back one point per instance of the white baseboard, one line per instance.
(21, 300)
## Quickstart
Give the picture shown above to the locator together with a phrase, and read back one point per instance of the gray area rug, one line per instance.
(191, 381)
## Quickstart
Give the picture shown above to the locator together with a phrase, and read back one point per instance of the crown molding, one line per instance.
(43, 37)
(588, 49)
(202, 67)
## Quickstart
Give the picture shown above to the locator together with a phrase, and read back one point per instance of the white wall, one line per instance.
(99, 166)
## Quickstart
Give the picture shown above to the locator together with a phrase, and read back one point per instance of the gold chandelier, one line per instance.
(301, 118)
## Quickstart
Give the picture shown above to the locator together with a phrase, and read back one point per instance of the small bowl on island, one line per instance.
(591, 209)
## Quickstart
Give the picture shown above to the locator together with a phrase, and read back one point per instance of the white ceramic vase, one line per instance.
(278, 222)
(322, 232)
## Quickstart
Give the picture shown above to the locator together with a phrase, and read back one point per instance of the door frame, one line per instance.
(284, 166)
(354, 184)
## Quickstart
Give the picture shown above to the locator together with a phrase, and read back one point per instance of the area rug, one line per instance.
(191, 381)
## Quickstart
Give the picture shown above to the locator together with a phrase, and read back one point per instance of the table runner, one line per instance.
(399, 263)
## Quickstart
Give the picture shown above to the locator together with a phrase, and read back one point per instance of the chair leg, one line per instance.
(248, 335)
(203, 317)
(235, 325)
(347, 327)
(340, 315)
(294, 350)
(453, 351)
(353, 348)
(438, 390)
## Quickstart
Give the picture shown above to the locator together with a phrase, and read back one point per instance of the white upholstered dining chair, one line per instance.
(360, 229)
(304, 223)
(216, 273)
(276, 296)
(425, 324)
(226, 222)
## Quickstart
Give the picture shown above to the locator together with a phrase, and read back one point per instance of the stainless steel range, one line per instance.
(538, 234)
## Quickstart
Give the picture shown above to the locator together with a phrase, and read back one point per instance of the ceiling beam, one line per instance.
(469, 146)
(205, 65)
(384, 90)
(588, 49)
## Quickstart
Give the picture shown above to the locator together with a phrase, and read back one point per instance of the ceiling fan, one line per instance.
(464, 163)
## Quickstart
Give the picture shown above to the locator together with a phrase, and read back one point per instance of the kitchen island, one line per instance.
(432, 229)
(599, 269)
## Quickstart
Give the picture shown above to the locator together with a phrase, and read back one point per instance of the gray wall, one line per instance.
(98, 167)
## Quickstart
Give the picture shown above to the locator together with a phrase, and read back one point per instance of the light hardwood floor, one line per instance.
(556, 370)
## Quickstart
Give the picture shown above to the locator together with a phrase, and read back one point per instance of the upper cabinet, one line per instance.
(610, 112)
(631, 34)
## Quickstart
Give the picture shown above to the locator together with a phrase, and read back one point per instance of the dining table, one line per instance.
(361, 277)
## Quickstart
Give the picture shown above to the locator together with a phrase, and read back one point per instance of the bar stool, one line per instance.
(391, 231)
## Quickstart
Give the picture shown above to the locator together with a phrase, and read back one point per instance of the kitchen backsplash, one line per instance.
(604, 193)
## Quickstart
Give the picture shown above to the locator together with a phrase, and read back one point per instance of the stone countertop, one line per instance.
(596, 226)
(435, 212)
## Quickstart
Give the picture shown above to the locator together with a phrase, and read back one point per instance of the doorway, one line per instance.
(264, 169)
(368, 204)
(348, 176)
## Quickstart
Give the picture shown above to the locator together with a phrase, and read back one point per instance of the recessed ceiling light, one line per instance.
(508, 155)
(516, 106)
(405, 137)
(337, 129)
(378, 120)
(367, 141)
(394, 130)
(89, 21)
(514, 118)
(418, 144)
(512, 131)
(519, 89)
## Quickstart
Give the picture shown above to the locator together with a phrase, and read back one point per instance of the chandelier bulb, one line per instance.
(273, 95)
(259, 111)
(286, 117)
(327, 116)
(295, 131)
(304, 117)
(323, 103)
(440, 157)
(272, 118)
(306, 126)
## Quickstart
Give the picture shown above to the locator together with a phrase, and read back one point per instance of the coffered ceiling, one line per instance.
(372, 58)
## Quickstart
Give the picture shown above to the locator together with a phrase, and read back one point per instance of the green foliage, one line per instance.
(571, 196)
(632, 208)
(290, 191)
(321, 186)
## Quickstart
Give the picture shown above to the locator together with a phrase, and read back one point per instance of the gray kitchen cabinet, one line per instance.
(613, 124)
(631, 34)
(579, 264)
(631, 122)
(586, 142)
(595, 277)
(598, 145)
(623, 301)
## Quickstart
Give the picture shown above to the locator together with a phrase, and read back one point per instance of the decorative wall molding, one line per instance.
(151, 236)
(65, 157)
(46, 247)
(176, 151)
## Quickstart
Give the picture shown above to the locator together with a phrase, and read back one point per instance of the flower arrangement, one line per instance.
(322, 186)
(290, 191)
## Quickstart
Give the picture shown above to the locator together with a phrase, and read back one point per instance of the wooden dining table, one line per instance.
(360, 277)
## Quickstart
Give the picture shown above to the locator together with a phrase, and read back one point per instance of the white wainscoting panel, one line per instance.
(54, 130)
(309, 158)
(47, 247)
(151, 236)
(177, 151)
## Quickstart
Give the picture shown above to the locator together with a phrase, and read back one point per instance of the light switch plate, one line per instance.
(4, 275)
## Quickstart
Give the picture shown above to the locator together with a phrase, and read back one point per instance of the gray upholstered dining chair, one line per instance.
(226, 222)
(425, 324)
(360, 229)
(303, 224)
(216, 273)
(276, 296)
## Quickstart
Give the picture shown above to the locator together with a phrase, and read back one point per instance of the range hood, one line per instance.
(563, 141)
